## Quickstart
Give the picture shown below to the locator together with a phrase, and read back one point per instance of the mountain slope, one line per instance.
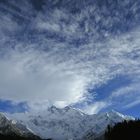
(102, 121)
(15, 129)
(68, 123)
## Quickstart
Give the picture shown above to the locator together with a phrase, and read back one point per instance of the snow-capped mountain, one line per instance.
(101, 121)
(68, 123)
(11, 127)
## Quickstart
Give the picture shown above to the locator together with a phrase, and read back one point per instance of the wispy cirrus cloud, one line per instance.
(58, 56)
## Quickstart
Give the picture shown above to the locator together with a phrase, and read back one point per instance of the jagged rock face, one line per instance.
(69, 123)
(11, 127)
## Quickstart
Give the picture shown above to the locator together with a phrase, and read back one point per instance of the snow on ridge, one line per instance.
(68, 122)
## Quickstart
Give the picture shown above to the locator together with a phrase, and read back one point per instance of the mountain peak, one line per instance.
(2, 115)
(114, 113)
(68, 122)
(8, 127)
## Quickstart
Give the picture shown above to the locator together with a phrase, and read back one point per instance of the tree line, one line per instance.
(126, 130)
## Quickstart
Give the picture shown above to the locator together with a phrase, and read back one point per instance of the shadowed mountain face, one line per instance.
(12, 130)
(16, 137)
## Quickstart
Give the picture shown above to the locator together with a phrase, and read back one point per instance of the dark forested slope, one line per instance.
(127, 130)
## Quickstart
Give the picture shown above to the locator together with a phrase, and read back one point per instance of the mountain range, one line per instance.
(68, 123)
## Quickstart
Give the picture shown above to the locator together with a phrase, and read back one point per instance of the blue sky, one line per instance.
(106, 89)
(8, 106)
(80, 53)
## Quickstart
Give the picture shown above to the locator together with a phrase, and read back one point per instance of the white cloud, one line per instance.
(27, 76)
(95, 107)
(123, 98)
(64, 71)
(126, 91)
(133, 103)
